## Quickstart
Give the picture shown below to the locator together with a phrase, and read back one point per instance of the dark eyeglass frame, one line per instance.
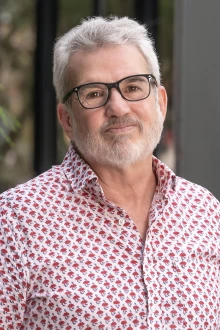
(150, 77)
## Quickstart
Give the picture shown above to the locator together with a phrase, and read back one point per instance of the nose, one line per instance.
(116, 106)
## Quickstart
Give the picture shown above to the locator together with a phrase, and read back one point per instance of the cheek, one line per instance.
(92, 122)
(147, 111)
(143, 113)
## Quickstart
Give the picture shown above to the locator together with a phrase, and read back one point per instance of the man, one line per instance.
(112, 238)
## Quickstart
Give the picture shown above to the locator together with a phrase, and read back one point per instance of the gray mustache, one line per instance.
(120, 121)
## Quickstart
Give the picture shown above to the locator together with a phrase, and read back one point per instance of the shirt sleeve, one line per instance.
(13, 276)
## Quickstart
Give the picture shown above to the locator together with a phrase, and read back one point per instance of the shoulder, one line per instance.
(34, 190)
(197, 196)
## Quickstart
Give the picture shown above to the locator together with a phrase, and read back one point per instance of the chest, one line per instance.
(140, 218)
(85, 261)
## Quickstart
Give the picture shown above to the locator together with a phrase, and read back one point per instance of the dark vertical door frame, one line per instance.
(44, 94)
(146, 12)
(99, 7)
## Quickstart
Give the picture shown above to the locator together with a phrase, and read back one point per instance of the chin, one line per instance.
(122, 154)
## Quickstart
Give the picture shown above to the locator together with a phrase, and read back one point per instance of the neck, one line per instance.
(131, 188)
(136, 183)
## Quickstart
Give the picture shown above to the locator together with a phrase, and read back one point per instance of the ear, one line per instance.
(162, 99)
(65, 120)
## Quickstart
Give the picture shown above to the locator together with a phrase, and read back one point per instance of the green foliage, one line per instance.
(8, 124)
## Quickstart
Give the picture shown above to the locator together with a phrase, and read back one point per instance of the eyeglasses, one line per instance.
(96, 94)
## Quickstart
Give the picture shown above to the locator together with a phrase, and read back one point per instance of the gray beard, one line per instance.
(119, 150)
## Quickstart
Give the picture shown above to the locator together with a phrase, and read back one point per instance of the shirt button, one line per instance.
(121, 222)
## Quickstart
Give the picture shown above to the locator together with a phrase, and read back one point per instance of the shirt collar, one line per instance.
(80, 174)
(77, 171)
(166, 178)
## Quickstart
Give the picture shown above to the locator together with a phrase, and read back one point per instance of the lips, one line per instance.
(120, 125)
(120, 128)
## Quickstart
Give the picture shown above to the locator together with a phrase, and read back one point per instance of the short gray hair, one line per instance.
(97, 32)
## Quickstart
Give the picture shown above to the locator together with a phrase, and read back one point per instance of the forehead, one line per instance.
(106, 64)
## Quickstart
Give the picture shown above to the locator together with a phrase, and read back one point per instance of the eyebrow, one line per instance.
(92, 85)
(98, 83)
(137, 78)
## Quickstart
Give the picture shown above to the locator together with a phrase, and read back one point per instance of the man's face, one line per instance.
(120, 133)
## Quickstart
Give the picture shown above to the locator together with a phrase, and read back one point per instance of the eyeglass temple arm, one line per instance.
(69, 94)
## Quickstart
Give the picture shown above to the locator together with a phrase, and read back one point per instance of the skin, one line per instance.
(133, 187)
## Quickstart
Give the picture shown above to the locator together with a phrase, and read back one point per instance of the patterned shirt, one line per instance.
(71, 259)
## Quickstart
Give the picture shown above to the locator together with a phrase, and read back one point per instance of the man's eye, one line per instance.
(94, 94)
(132, 88)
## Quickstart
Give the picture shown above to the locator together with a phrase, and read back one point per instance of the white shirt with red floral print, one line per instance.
(70, 259)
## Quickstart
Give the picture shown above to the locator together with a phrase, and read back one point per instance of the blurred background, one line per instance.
(31, 140)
